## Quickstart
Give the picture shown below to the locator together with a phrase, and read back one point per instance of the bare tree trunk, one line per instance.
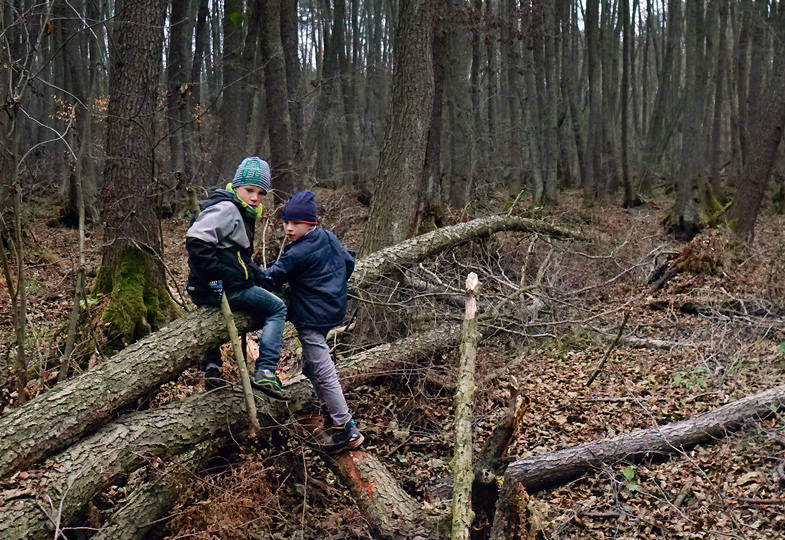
(275, 91)
(461, 465)
(593, 187)
(719, 104)
(177, 84)
(290, 44)
(769, 122)
(132, 272)
(393, 217)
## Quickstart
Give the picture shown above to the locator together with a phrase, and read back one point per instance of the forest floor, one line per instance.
(722, 319)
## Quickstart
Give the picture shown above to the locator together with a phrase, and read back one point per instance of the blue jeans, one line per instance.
(260, 304)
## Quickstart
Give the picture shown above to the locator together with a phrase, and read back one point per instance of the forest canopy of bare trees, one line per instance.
(118, 115)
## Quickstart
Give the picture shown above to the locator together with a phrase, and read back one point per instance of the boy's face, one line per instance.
(250, 194)
(294, 230)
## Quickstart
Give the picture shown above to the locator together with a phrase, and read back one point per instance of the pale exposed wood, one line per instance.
(237, 347)
(462, 514)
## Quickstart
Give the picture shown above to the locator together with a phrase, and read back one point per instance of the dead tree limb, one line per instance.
(539, 472)
(462, 515)
(387, 260)
(390, 511)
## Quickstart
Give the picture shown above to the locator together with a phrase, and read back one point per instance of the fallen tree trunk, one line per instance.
(389, 259)
(390, 511)
(539, 472)
(59, 417)
(52, 498)
(152, 498)
(89, 466)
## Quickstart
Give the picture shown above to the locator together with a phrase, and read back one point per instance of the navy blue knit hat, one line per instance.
(252, 171)
(301, 207)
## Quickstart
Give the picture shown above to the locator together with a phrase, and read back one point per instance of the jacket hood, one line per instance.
(218, 195)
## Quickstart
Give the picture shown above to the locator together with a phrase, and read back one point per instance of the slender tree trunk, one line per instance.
(235, 102)
(685, 221)
(177, 83)
(624, 20)
(275, 91)
(593, 187)
(768, 123)
(290, 43)
(719, 104)
(432, 170)
(393, 217)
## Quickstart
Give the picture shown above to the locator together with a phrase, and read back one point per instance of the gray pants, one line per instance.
(319, 367)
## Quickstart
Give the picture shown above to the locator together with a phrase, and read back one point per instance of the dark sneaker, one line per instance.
(341, 438)
(269, 383)
(213, 377)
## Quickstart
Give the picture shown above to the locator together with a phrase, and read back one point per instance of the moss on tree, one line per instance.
(137, 304)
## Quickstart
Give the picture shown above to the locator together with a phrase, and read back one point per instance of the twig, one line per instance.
(240, 358)
(684, 492)
(608, 351)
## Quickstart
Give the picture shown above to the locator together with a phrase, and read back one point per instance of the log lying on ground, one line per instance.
(89, 466)
(390, 511)
(538, 472)
(389, 259)
(54, 496)
(152, 498)
(57, 418)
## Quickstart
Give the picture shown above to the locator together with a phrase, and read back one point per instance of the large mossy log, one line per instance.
(546, 470)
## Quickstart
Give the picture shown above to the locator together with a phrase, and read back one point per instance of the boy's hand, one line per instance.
(217, 288)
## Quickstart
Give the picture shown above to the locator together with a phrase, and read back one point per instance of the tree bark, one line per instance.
(275, 91)
(393, 217)
(132, 272)
(769, 122)
(53, 499)
(461, 465)
(539, 472)
(152, 498)
(59, 417)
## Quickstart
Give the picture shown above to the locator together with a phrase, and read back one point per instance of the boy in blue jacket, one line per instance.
(220, 245)
(317, 268)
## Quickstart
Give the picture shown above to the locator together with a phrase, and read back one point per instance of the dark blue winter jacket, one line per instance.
(317, 267)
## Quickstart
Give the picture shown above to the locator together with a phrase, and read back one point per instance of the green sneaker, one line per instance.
(269, 383)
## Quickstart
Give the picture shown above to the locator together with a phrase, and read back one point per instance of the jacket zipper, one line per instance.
(239, 258)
